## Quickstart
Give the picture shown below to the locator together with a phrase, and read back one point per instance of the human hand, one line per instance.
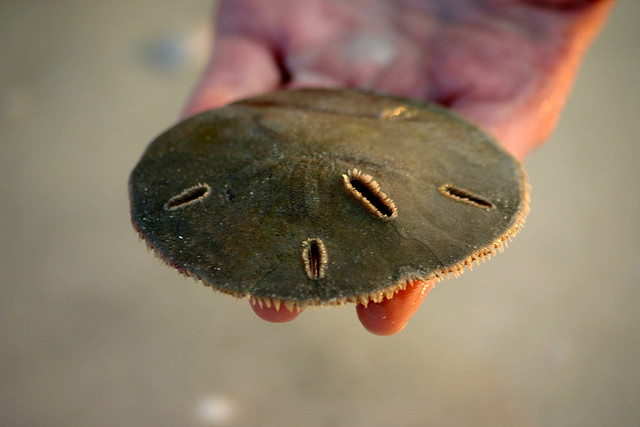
(506, 65)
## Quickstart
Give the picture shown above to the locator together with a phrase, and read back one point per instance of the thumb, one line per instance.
(239, 67)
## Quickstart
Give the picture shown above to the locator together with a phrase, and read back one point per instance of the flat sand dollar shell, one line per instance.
(321, 197)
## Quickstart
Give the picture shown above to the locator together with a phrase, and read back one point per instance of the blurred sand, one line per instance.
(95, 331)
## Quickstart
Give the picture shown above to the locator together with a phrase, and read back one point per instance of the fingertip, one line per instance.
(374, 319)
(390, 316)
(273, 314)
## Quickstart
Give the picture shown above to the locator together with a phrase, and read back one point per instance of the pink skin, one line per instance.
(271, 314)
(507, 65)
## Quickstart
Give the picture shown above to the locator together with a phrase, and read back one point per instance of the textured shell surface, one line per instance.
(320, 197)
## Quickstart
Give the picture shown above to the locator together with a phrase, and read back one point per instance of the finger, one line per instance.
(240, 67)
(273, 314)
(391, 315)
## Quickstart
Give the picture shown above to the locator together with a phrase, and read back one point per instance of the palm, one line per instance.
(505, 64)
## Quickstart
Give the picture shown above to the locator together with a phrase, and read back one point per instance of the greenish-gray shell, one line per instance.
(314, 197)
